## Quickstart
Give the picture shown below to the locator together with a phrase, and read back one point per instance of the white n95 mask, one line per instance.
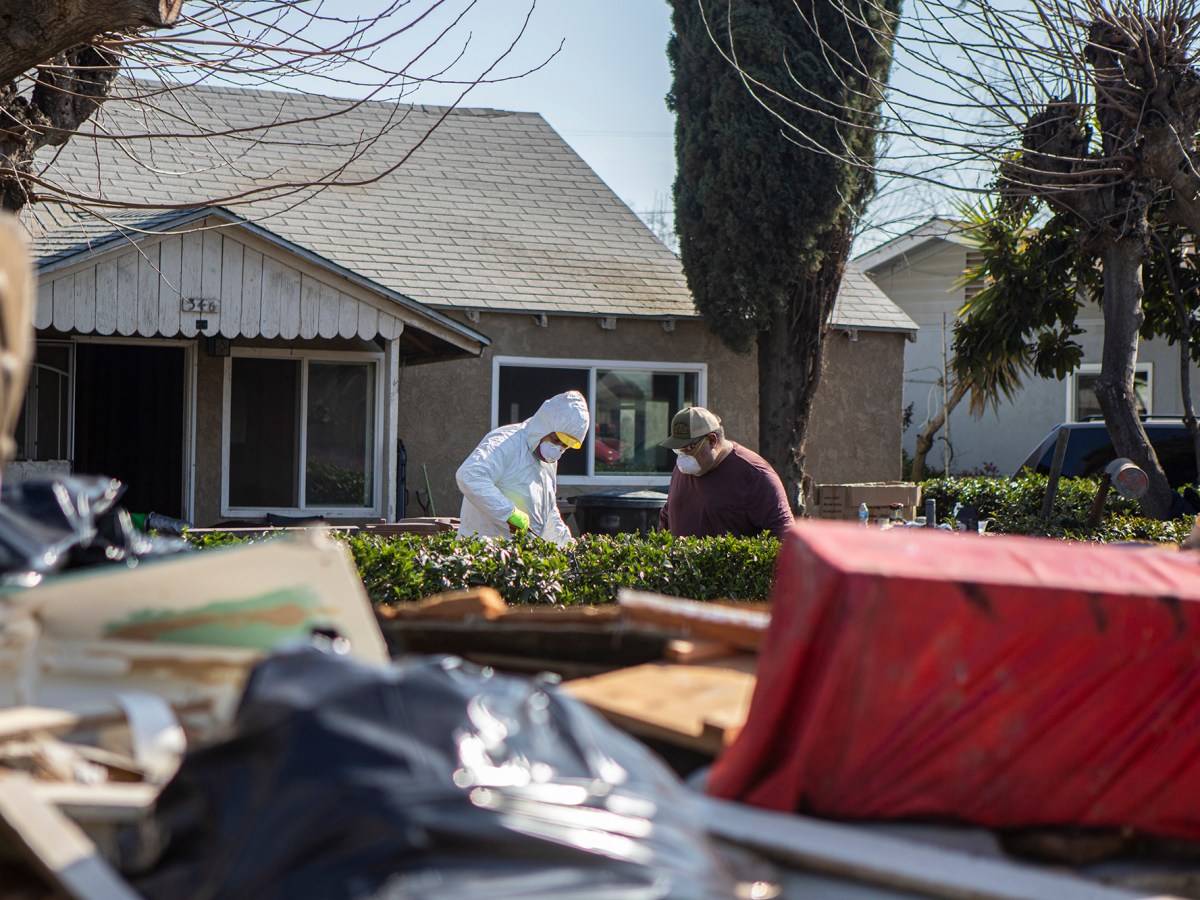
(549, 451)
(688, 465)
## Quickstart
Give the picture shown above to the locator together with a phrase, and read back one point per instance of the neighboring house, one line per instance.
(922, 272)
(857, 415)
(339, 351)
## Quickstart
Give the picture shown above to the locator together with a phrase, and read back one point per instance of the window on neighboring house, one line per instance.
(44, 429)
(631, 405)
(301, 433)
(1082, 387)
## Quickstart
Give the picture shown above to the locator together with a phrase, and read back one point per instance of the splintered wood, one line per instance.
(741, 625)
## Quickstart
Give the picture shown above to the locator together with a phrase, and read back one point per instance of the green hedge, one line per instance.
(1015, 505)
(527, 570)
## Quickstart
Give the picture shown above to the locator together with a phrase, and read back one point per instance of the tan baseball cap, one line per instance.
(690, 424)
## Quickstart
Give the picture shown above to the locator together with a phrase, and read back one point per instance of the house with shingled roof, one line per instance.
(922, 272)
(338, 346)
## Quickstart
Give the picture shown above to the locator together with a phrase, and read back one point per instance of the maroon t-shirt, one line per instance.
(742, 496)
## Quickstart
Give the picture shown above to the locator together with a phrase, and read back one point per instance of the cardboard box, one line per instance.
(841, 501)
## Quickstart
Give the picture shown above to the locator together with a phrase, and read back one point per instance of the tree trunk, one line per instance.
(791, 356)
(1185, 391)
(1121, 259)
(932, 427)
(34, 33)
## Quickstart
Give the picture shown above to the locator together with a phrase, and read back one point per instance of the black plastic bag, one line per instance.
(48, 524)
(429, 778)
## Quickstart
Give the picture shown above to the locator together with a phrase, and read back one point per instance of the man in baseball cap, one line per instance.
(718, 486)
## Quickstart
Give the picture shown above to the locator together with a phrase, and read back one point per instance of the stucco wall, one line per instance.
(856, 419)
(445, 408)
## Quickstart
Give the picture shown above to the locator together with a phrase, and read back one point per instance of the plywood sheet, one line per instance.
(700, 707)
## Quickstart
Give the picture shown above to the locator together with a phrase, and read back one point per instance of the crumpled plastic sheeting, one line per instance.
(429, 778)
(69, 522)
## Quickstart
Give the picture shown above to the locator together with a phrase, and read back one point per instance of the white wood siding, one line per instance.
(166, 284)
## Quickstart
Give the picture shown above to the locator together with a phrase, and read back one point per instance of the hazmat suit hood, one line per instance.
(505, 473)
(566, 413)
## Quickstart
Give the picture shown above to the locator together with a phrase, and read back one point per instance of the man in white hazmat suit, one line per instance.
(509, 481)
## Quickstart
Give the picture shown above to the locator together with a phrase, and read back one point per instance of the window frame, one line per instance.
(305, 357)
(699, 369)
(31, 389)
(1139, 368)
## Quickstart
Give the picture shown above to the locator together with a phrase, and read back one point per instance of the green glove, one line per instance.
(519, 520)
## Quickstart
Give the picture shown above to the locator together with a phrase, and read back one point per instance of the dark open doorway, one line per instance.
(129, 421)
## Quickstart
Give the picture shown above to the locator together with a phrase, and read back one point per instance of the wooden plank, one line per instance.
(127, 288)
(329, 312)
(191, 279)
(477, 602)
(212, 255)
(85, 300)
(232, 255)
(289, 304)
(43, 315)
(611, 646)
(170, 298)
(149, 287)
(860, 856)
(390, 327)
(741, 626)
(696, 651)
(310, 305)
(22, 721)
(64, 302)
(699, 707)
(272, 297)
(252, 281)
(348, 316)
(565, 615)
(106, 296)
(55, 845)
(368, 322)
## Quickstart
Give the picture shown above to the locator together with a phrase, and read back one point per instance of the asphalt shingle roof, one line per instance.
(861, 304)
(492, 211)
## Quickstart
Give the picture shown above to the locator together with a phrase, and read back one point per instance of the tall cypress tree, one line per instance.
(776, 106)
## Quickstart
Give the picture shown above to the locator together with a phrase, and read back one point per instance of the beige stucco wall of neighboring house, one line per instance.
(446, 408)
(856, 419)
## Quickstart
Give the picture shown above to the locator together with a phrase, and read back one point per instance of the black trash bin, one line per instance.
(618, 511)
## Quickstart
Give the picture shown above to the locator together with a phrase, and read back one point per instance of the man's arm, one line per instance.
(774, 510)
(476, 478)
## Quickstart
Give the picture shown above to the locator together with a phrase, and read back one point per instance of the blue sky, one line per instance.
(604, 91)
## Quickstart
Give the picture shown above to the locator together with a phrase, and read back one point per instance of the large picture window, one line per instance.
(1082, 402)
(631, 405)
(301, 434)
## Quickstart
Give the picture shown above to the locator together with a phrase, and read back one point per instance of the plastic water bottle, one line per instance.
(864, 514)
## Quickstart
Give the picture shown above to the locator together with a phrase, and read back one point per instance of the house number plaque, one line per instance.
(201, 305)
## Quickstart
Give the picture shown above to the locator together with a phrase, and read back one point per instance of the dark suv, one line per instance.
(1089, 450)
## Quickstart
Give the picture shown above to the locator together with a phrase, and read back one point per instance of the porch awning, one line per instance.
(208, 272)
